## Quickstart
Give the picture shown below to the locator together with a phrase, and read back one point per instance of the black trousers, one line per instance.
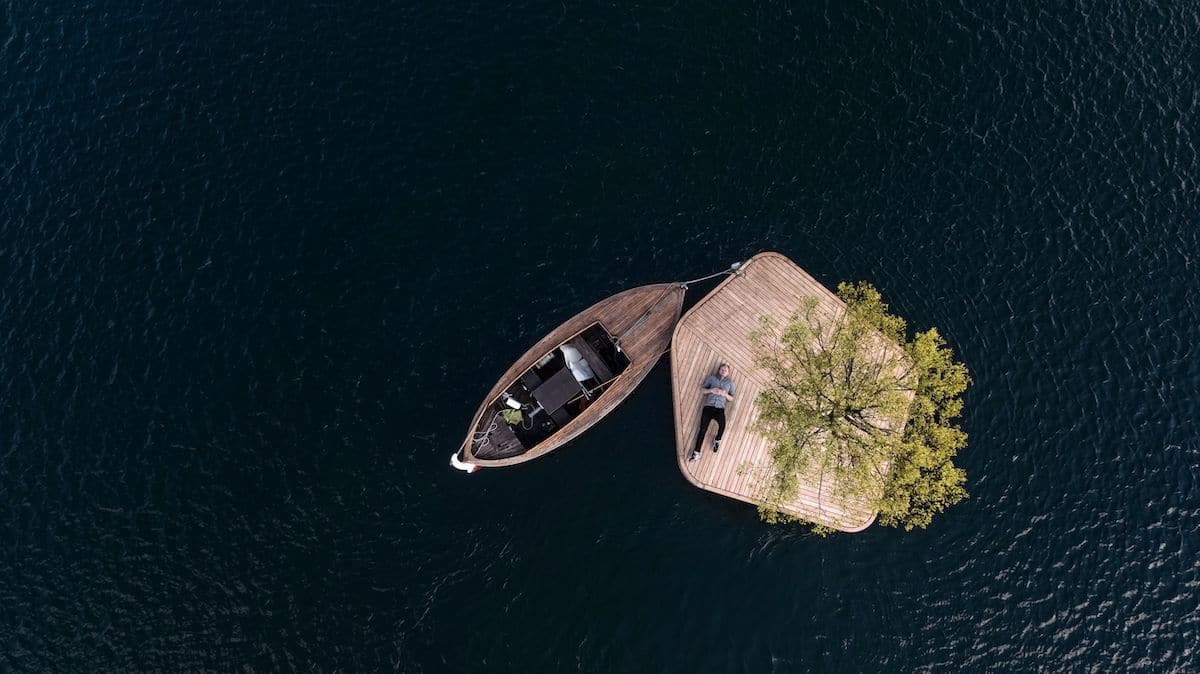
(708, 414)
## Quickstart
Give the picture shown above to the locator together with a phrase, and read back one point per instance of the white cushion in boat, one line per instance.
(576, 363)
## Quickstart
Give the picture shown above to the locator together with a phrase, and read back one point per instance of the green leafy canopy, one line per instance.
(860, 410)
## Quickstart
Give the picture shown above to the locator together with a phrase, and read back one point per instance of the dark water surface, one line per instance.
(259, 262)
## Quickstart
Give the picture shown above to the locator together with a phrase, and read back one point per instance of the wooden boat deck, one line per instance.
(717, 330)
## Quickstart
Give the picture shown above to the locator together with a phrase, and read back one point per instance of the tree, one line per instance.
(861, 410)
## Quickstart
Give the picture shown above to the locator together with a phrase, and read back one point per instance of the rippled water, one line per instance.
(258, 264)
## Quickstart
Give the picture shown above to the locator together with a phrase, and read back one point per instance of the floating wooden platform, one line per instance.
(717, 330)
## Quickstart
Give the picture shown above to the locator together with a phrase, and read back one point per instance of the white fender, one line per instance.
(462, 465)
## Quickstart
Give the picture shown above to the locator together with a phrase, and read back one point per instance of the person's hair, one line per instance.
(723, 365)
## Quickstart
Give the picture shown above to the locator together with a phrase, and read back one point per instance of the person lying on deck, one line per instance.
(717, 389)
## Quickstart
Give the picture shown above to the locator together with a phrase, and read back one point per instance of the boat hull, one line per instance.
(643, 318)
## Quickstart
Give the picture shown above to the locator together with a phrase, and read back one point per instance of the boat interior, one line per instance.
(559, 387)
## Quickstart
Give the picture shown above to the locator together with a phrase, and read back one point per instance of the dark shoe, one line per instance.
(695, 455)
(716, 446)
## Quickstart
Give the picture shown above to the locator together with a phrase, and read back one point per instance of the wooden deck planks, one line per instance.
(717, 330)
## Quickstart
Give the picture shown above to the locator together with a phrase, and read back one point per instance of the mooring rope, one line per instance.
(733, 269)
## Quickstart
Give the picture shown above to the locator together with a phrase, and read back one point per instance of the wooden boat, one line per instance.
(558, 397)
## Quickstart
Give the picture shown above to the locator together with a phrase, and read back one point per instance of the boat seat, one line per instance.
(531, 380)
(599, 367)
(576, 362)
